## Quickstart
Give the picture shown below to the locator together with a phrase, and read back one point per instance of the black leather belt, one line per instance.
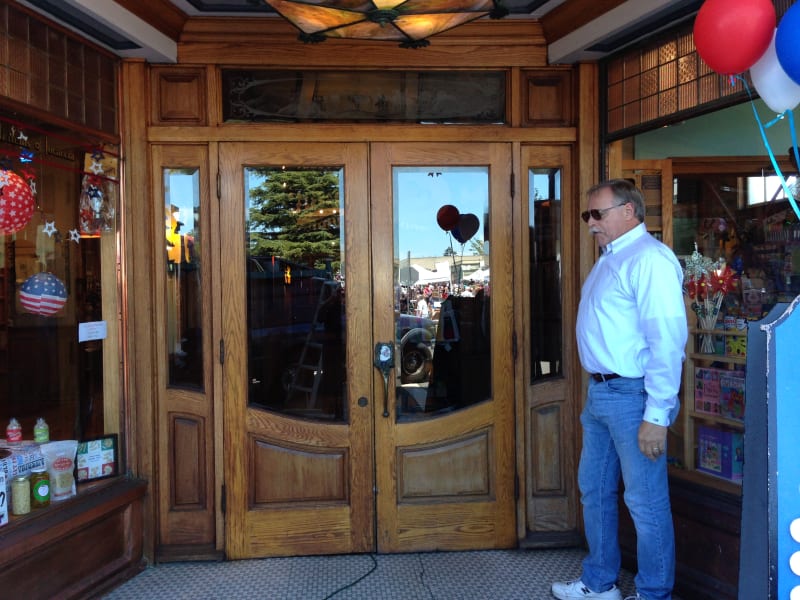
(604, 376)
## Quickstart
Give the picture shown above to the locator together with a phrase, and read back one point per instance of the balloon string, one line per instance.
(762, 129)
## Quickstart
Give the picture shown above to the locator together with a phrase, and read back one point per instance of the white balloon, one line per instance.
(776, 88)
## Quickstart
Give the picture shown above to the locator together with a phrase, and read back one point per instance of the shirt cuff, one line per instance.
(657, 416)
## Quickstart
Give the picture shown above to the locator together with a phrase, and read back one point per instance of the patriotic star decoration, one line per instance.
(25, 156)
(32, 185)
(4, 178)
(94, 192)
(21, 137)
(49, 228)
(96, 168)
(74, 236)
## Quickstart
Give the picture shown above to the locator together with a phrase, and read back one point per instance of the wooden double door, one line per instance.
(368, 372)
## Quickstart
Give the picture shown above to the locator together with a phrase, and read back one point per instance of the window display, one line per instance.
(58, 283)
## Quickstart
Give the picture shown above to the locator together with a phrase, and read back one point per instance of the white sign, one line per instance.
(93, 330)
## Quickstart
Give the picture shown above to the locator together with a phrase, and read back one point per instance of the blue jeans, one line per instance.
(611, 420)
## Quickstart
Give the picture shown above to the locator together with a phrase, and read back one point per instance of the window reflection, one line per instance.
(545, 273)
(295, 291)
(184, 293)
(442, 289)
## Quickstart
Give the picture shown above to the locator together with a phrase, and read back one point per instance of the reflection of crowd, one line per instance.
(425, 300)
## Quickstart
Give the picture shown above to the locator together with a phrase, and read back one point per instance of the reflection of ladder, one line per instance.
(308, 373)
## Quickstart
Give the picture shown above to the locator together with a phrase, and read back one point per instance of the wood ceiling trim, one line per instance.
(574, 14)
(160, 14)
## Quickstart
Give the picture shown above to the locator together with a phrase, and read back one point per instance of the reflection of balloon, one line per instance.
(731, 35)
(16, 203)
(467, 227)
(447, 217)
(775, 87)
(786, 42)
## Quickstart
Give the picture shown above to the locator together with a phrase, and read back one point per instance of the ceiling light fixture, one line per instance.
(409, 22)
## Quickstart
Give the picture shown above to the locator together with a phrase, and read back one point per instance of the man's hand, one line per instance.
(652, 440)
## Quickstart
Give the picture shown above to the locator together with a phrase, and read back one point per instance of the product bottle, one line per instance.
(41, 432)
(13, 432)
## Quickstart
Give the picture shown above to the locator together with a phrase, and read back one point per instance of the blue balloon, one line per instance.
(786, 46)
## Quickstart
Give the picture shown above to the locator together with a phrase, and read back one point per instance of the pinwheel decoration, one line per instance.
(707, 282)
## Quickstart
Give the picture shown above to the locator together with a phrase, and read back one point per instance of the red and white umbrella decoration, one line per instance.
(16, 203)
(43, 294)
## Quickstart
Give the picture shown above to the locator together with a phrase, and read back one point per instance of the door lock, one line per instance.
(384, 362)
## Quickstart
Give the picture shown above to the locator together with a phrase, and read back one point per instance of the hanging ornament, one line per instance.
(43, 294)
(16, 203)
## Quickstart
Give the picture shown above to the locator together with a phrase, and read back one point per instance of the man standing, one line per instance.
(631, 333)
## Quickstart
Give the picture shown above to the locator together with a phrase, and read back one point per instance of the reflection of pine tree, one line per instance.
(295, 215)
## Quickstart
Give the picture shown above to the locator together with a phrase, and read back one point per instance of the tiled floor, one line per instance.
(474, 575)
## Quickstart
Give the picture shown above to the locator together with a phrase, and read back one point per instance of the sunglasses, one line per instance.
(597, 214)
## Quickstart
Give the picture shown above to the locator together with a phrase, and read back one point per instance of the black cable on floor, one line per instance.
(352, 583)
(422, 577)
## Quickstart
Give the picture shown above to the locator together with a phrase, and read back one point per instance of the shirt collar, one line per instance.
(626, 239)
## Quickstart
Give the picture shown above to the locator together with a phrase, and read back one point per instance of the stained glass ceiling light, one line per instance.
(409, 22)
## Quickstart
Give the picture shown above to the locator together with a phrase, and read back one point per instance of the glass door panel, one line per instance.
(442, 324)
(295, 291)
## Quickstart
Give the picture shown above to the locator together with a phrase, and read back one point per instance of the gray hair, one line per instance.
(624, 192)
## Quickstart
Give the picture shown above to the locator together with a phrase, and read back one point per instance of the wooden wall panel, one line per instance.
(179, 96)
(548, 98)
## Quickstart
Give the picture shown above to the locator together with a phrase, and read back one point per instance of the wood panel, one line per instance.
(707, 534)
(187, 466)
(136, 274)
(548, 99)
(574, 14)
(480, 44)
(283, 474)
(84, 546)
(178, 96)
(467, 460)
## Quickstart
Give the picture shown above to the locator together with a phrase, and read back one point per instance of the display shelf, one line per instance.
(731, 360)
(692, 420)
(705, 479)
(716, 419)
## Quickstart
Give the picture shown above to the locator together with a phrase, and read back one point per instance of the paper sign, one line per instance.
(93, 330)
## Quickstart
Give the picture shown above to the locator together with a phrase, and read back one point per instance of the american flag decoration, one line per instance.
(43, 294)
(16, 203)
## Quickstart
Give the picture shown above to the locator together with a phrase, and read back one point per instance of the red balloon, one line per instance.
(16, 203)
(448, 217)
(731, 35)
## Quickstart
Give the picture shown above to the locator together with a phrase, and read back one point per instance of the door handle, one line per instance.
(384, 362)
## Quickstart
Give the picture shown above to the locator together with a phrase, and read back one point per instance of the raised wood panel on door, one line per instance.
(552, 404)
(184, 433)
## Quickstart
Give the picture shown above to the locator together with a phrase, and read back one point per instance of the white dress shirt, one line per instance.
(632, 318)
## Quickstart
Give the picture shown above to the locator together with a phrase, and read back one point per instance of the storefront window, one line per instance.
(58, 284)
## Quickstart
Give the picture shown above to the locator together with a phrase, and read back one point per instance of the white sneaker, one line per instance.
(576, 590)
